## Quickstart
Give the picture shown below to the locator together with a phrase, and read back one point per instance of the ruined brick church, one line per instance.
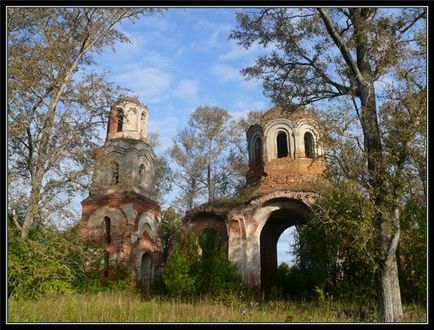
(122, 215)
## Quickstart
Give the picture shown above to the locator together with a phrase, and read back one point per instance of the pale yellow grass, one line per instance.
(126, 307)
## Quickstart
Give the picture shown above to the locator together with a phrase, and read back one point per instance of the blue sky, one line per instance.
(181, 60)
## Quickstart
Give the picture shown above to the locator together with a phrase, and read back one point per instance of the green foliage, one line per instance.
(217, 274)
(163, 178)
(170, 223)
(334, 250)
(199, 265)
(180, 276)
(53, 262)
(342, 225)
(412, 252)
(36, 268)
(206, 155)
(289, 282)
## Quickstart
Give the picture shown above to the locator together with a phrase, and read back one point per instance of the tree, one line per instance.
(55, 103)
(335, 248)
(199, 265)
(170, 224)
(186, 153)
(324, 54)
(202, 152)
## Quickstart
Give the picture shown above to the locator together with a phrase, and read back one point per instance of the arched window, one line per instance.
(115, 173)
(120, 119)
(145, 271)
(107, 234)
(133, 118)
(141, 173)
(143, 120)
(282, 145)
(258, 153)
(308, 145)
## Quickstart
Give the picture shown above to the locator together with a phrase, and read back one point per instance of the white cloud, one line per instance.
(237, 52)
(156, 23)
(187, 90)
(246, 105)
(239, 114)
(210, 42)
(213, 35)
(225, 72)
(166, 129)
(149, 84)
(157, 60)
(204, 24)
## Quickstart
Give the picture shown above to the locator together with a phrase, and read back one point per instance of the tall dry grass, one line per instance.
(127, 307)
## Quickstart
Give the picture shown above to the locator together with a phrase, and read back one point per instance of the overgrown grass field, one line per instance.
(128, 307)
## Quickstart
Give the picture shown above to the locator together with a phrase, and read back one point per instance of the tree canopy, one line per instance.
(344, 53)
(56, 103)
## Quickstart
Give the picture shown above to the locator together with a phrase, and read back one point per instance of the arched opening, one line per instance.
(107, 233)
(289, 214)
(115, 173)
(282, 145)
(308, 145)
(286, 246)
(210, 224)
(141, 173)
(143, 121)
(210, 242)
(132, 119)
(258, 151)
(120, 119)
(145, 271)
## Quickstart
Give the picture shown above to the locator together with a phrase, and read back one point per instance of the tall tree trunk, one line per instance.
(388, 292)
(37, 178)
(192, 194)
(41, 160)
(209, 184)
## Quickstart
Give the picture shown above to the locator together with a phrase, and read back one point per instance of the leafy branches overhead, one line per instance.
(203, 155)
(325, 53)
(306, 64)
(55, 104)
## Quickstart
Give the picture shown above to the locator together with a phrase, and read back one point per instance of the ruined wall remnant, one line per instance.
(285, 165)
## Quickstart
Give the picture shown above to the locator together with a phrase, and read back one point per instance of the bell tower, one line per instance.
(121, 213)
(285, 150)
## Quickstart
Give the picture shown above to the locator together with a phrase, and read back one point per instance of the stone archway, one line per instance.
(276, 224)
(279, 215)
(145, 271)
(207, 220)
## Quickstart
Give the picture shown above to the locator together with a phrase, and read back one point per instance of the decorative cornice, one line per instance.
(120, 196)
(307, 197)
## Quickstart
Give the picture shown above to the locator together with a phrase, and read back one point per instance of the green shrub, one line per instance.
(334, 249)
(199, 265)
(36, 268)
(412, 252)
(55, 262)
(178, 277)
